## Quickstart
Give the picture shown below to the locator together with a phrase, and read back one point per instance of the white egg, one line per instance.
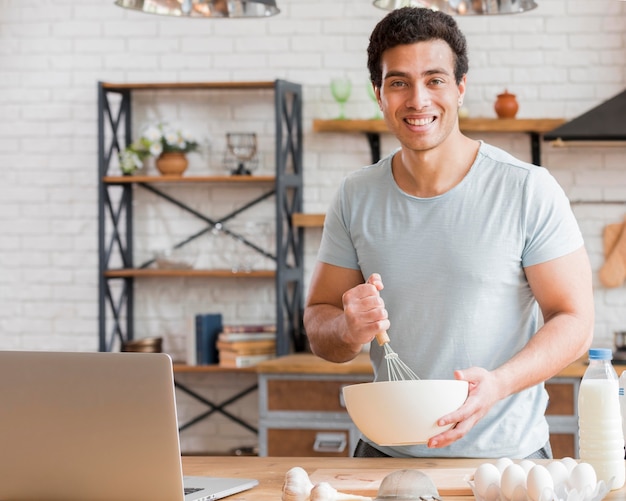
(502, 463)
(527, 464)
(559, 473)
(569, 463)
(487, 481)
(513, 482)
(539, 483)
(582, 477)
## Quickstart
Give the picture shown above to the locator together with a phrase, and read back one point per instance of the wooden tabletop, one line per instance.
(270, 472)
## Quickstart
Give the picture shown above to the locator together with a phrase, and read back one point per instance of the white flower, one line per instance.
(171, 137)
(129, 161)
(152, 133)
(156, 149)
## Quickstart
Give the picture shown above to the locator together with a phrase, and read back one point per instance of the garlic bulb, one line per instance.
(297, 485)
(326, 492)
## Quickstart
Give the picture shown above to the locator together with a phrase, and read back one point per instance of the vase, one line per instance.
(506, 105)
(172, 163)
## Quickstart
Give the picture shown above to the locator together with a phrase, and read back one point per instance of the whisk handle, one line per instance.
(382, 338)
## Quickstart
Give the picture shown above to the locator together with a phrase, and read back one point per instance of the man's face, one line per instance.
(419, 95)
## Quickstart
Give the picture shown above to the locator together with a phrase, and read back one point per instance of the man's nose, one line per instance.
(419, 97)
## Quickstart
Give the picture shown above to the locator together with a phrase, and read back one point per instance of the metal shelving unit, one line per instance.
(117, 270)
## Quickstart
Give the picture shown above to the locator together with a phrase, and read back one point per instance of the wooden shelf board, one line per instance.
(188, 179)
(340, 125)
(301, 220)
(467, 124)
(538, 125)
(190, 85)
(157, 272)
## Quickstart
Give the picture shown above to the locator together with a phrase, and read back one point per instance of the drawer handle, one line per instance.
(330, 442)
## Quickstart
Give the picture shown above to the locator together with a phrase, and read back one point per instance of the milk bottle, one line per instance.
(601, 439)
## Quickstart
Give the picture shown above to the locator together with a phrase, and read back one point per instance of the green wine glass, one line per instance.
(341, 88)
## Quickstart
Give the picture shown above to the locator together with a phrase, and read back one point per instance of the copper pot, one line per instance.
(506, 105)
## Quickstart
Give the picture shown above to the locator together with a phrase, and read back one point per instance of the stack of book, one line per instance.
(246, 345)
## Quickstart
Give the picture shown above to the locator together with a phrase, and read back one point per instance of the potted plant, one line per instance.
(167, 144)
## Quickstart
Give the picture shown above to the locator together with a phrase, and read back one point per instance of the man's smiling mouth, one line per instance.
(419, 121)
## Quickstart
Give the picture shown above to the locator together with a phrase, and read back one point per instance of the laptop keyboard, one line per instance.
(191, 490)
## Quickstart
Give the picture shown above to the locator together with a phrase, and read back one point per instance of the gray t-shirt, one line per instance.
(455, 287)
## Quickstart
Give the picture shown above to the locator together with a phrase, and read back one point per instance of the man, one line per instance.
(486, 278)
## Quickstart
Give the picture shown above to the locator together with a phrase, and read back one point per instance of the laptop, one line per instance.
(94, 427)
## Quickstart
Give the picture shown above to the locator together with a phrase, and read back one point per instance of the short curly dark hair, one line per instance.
(409, 25)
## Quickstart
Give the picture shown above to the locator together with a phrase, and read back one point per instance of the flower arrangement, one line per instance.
(155, 140)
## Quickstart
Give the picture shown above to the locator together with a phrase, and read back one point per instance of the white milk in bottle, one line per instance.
(601, 439)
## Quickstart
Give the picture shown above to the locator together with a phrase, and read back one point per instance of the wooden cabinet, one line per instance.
(301, 410)
(562, 415)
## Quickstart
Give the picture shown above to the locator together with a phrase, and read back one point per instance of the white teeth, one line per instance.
(421, 121)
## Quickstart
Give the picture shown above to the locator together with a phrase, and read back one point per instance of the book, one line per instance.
(208, 327)
(247, 347)
(191, 355)
(246, 336)
(232, 328)
(233, 360)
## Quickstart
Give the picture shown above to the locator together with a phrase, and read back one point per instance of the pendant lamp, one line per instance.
(203, 8)
(462, 7)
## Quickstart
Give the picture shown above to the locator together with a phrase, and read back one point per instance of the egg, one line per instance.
(487, 481)
(527, 464)
(569, 463)
(559, 473)
(513, 482)
(582, 477)
(502, 463)
(539, 483)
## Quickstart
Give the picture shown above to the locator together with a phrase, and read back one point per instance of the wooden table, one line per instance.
(270, 472)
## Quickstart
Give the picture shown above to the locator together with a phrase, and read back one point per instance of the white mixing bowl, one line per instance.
(403, 412)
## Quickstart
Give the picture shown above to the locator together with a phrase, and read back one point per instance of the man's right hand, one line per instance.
(365, 311)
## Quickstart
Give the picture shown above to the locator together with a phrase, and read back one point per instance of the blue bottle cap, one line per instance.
(600, 354)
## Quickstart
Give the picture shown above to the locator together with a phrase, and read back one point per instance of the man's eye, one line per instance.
(397, 83)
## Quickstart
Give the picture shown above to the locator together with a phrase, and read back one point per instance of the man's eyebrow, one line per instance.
(403, 74)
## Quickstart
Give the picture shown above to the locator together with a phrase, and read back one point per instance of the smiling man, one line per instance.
(486, 278)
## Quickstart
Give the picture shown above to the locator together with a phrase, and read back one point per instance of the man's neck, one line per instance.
(430, 173)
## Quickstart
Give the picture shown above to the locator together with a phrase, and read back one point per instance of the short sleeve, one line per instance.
(551, 229)
(336, 247)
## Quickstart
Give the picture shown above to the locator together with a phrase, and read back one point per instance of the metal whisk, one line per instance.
(396, 368)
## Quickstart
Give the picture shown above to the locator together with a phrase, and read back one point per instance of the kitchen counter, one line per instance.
(301, 409)
(270, 472)
(307, 363)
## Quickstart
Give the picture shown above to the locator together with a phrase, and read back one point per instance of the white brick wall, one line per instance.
(561, 59)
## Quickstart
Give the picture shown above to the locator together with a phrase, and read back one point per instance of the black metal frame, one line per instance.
(219, 407)
(115, 216)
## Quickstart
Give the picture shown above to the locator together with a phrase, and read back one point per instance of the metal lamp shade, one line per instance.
(462, 7)
(203, 8)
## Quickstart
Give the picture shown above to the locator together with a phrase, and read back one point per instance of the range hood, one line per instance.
(606, 122)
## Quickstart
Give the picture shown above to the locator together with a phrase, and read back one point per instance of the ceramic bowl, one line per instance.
(403, 412)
